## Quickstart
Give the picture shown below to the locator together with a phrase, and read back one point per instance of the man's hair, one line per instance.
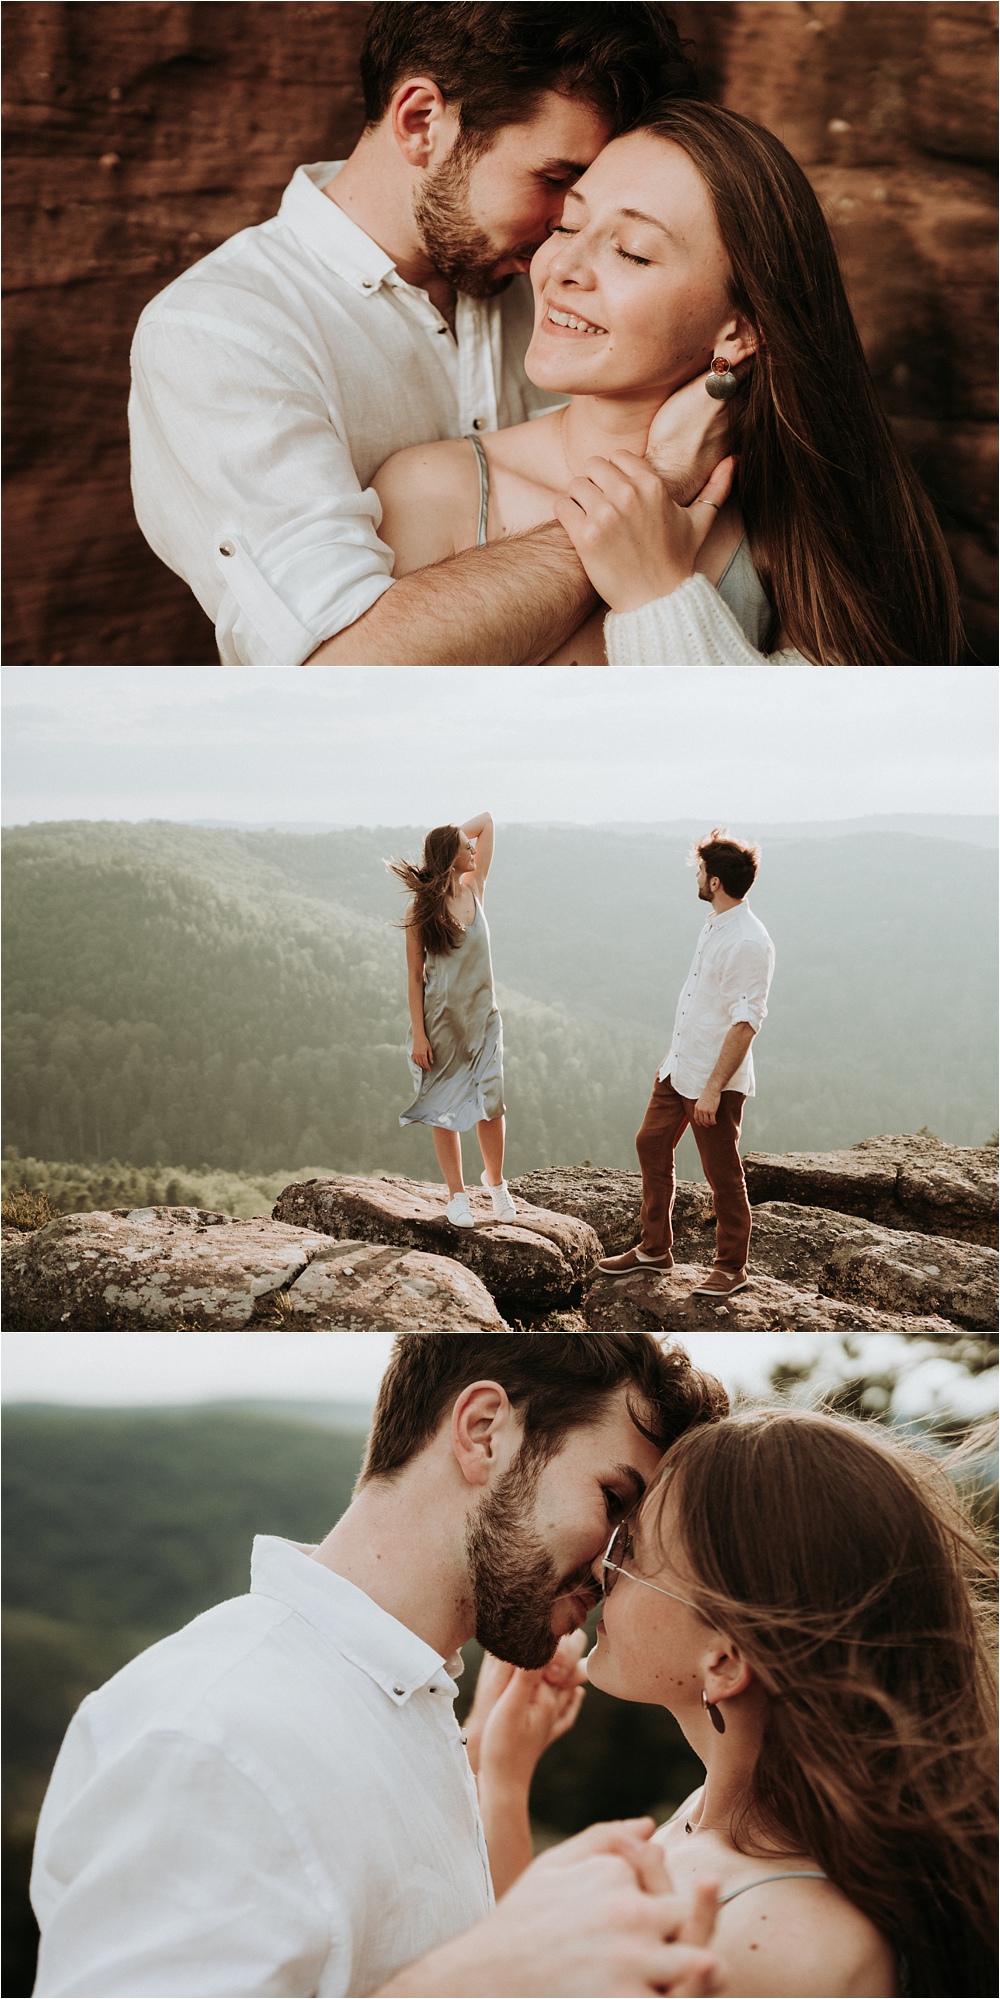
(554, 1381)
(493, 61)
(734, 864)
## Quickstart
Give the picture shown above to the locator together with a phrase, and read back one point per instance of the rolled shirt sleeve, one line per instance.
(744, 981)
(243, 482)
(172, 1872)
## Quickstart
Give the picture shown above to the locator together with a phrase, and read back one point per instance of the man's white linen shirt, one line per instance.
(276, 1799)
(269, 382)
(729, 981)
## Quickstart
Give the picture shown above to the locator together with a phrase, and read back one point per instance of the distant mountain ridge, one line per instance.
(978, 829)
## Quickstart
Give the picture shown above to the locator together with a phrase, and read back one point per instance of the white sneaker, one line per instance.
(503, 1207)
(459, 1211)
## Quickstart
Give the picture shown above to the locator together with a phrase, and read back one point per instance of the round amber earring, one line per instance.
(721, 382)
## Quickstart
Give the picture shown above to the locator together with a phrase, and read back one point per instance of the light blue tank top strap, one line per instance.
(484, 487)
(741, 589)
(791, 1874)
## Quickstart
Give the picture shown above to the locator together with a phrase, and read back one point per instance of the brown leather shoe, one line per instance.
(722, 1284)
(627, 1265)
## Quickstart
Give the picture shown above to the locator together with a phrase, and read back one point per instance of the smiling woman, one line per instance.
(696, 244)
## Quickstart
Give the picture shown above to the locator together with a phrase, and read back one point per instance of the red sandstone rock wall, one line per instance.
(141, 135)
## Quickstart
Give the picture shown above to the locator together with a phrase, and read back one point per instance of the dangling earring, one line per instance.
(721, 383)
(713, 1713)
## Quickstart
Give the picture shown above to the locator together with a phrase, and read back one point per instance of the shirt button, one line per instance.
(399, 1690)
(479, 423)
(226, 548)
(367, 284)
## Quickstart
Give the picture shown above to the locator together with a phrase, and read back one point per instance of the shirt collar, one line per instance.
(329, 233)
(389, 1652)
(713, 919)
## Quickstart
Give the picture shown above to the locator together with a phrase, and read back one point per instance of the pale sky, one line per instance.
(106, 1370)
(412, 746)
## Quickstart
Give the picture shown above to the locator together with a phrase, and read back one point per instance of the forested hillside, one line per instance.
(195, 996)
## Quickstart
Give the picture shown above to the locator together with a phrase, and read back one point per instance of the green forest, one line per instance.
(207, 1000)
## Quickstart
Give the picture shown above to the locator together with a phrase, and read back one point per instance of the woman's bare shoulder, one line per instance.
(430, 502)
(801, 1940)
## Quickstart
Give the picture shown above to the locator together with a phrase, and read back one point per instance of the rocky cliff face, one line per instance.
(347, 1253)
(139, 136)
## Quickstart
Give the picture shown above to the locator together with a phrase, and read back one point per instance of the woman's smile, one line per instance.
(563, 320)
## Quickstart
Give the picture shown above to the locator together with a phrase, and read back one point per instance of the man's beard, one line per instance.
(514, 1580)
(459, 250)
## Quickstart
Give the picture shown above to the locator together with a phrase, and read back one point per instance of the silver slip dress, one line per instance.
(465, 1031)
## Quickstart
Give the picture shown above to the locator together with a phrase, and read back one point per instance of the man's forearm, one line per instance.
(731, 1054)
(510, 604)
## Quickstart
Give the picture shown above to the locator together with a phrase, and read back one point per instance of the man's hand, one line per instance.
(634, 543)
(594, 1916)
(707, 1105)
(688, 437)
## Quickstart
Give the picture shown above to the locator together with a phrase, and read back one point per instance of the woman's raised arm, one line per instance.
(481, 830)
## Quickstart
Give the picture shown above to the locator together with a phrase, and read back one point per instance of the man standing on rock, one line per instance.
(707, 1074)
(384, 306)
(277, 1799)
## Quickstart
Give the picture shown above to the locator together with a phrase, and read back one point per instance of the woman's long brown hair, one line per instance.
(846, 1568)
(841, 532)
(430, 887)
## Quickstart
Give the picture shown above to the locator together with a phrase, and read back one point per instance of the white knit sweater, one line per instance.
(691, 627)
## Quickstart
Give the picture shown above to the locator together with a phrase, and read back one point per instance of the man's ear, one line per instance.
(423, 126)
(726, 1672)
(480, 1424)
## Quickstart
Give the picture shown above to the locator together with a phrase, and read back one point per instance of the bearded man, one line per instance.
(385, 306)
(277, 1799)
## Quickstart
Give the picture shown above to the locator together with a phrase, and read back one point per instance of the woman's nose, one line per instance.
(570, 264)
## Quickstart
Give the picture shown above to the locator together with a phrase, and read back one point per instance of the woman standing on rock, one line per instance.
(455, 1043)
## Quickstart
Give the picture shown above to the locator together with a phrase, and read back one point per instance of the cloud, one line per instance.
(406, 745)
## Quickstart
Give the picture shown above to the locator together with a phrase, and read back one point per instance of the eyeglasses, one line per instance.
(622, 1545)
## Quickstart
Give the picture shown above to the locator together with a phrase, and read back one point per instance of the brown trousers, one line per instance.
(663, 1126)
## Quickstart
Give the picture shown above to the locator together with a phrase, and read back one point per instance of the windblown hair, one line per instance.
(845, 1566)
(735, 864)
(553, 1380)
(842, 534)
(493, 61)
(430, 887)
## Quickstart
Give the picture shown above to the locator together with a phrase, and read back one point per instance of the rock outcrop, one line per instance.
(663, 1303)
(912, 1182)
(609, 1199)
(348, 1253)
(184, 1269)
(537, 1263)
(889, 1270)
